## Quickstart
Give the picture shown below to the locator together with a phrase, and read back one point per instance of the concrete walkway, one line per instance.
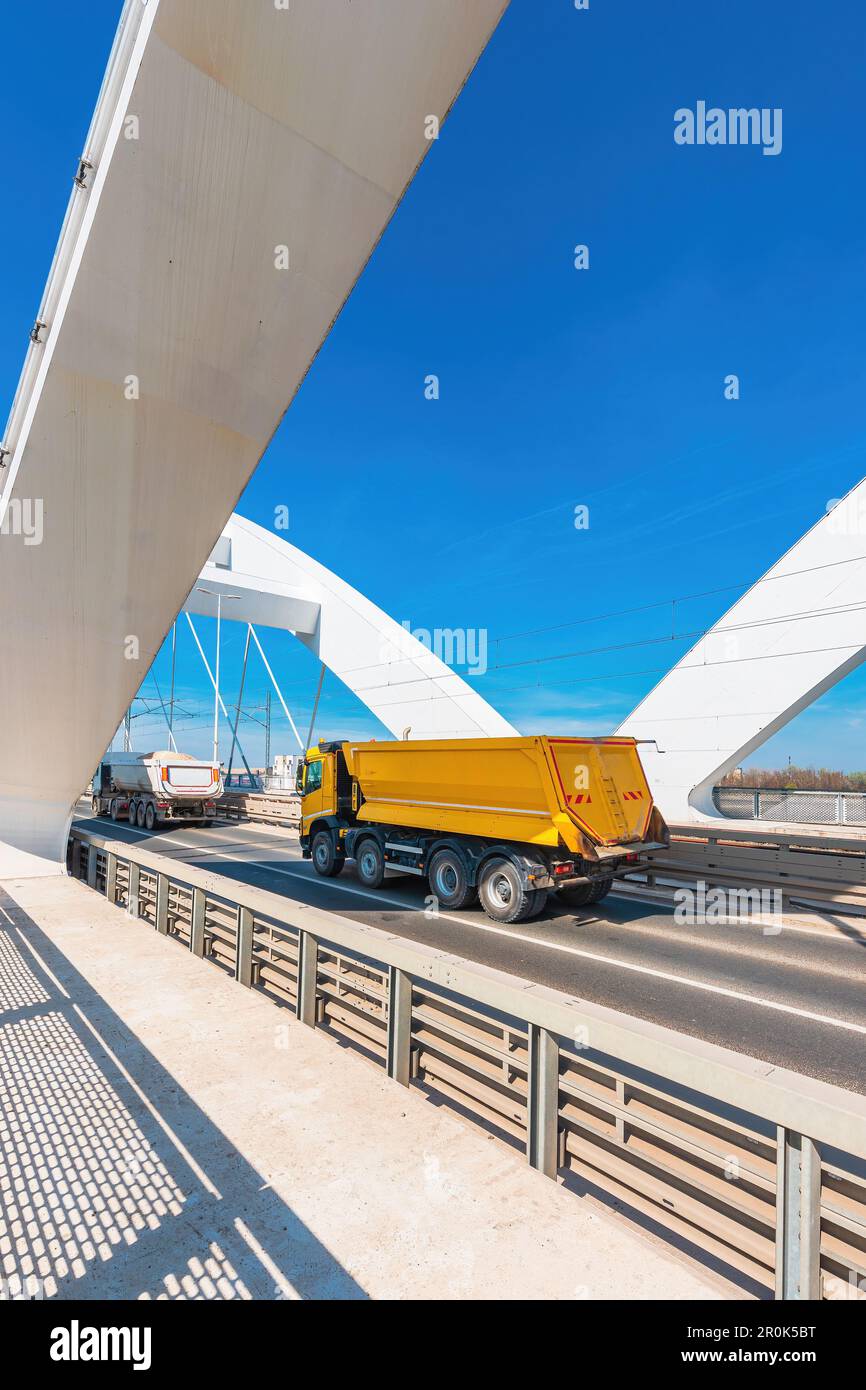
(165, 1133)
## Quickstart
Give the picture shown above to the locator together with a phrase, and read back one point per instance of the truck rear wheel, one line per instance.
(600, 889)
(326, 860)
(503, 894)
(449, 880)
(132, 812)
(583, 894)
(139, 815)
(149, 816)
(114, 809)
(370, 862)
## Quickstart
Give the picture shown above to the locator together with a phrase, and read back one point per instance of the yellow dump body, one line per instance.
(536, 790)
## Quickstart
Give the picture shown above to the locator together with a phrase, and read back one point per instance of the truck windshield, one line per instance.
(313, 779)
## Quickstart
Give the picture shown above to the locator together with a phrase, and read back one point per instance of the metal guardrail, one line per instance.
(797, 807)
(806, 868)
(759, 1168)
(270, 808)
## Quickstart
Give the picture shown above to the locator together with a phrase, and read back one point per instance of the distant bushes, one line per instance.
(806, 779)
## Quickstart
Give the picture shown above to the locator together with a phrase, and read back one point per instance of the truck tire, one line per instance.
(449, 880)
(600, 889)
(583, 894)
(139, 815)
(370, 863)
(326, 861)
(132, 811)
(540, 902)
(503, 895)
(149, 816)
(94, 805)
(114, 809)
(576, 895)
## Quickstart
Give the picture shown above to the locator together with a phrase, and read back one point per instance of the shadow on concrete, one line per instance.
(114, 1184)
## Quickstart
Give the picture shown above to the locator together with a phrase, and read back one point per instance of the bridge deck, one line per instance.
(167, 1135)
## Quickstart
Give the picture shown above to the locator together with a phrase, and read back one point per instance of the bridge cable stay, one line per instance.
(216, 692)
(255, 637)
(240, 702)
(315, 707)
(171, 737)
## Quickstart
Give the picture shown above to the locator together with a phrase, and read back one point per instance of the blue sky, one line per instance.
(557, 387)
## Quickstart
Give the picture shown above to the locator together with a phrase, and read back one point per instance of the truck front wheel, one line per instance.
(326, 860)
(449, 880)
(370, 862)
(504, 896)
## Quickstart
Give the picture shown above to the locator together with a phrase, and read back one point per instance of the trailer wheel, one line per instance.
(149, 816)
(139, 815)
(449, 880)
(370, 863)
(326, 861)
(503, 895)
(132, 812)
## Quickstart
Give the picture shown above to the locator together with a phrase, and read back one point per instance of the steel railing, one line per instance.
(761, 1169)
(805, 867)
(793, 806)
(268, 807)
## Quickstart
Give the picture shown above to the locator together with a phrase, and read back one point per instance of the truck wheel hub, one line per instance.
(446, 879)
(500, 889)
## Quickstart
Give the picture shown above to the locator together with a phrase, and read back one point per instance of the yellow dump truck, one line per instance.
(505, 820)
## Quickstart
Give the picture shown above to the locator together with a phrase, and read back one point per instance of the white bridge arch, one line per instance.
(274, 584)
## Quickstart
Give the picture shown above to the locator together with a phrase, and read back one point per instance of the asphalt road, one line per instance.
(797, 999)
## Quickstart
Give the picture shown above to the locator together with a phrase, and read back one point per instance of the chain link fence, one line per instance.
(800, 807)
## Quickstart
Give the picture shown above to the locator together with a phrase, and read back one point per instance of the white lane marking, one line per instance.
(829, 933)
(702, 985)
(826, 933)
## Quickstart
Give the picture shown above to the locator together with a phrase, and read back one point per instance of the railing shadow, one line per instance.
(114, 1184)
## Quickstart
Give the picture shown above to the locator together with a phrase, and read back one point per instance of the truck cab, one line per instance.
(325, 788)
